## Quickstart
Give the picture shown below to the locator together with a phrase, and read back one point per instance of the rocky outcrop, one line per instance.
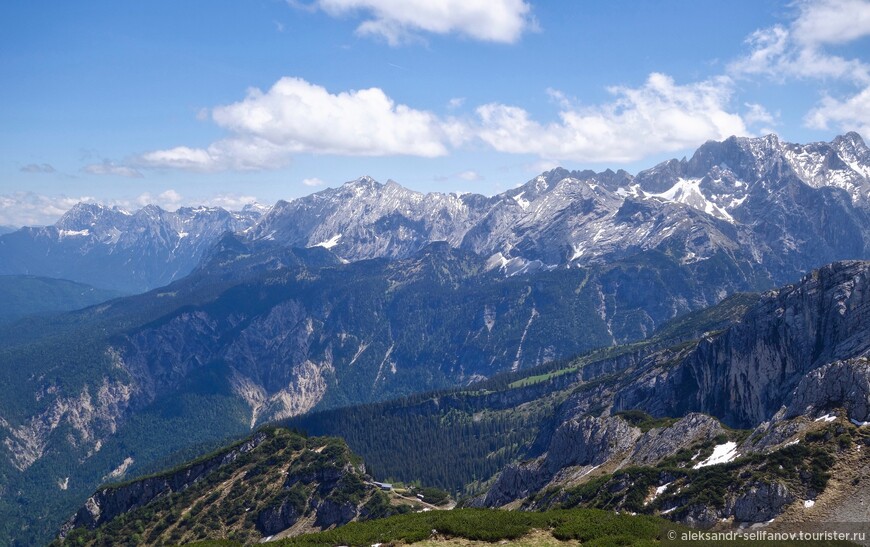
(744, 375)
(278, 517)
(333, 513)
(585, 441)
(516, 481)
(589, 441)
(842, 384)
(659, 443)
(760, 502)
(112, 501)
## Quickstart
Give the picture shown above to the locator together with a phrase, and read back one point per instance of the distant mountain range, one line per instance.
(114, 249)
(768, 208)
(370, 292)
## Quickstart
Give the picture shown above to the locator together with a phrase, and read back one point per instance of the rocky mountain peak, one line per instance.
(85, 215)
(850, 141)
(364, 182)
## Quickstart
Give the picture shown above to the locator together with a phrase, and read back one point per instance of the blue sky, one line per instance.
(226, 101)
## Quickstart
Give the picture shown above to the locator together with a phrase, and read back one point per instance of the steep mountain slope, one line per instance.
(771, 371)
(801, 461)
(459, 438)
(264, 485)
(260, 332)
(791, 366)
(113, 249)
(22, 295)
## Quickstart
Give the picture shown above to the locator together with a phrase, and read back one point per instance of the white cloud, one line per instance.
(797, 50)
(30, 209)
(230, 202)
(169, 200)
(656, 117)
(832, 21)
(851, 114)
(38, 168)
(398, 21)
(111, 168)
(559, 98)
(470, 175)
(756, 113)
(455, 102)
(540, 166)
(267, 128)
(313, 181)
(295, 116)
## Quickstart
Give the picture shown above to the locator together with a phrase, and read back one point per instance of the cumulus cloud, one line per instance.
(267, 128)
(169, 200)
(231, 202)
(294, 116)
(38, 168)
(798, 49)
(31, 209)
(850, 114)
(399, 21)
(110, 168)
(313, 181)
(659, 116)
(832, 21)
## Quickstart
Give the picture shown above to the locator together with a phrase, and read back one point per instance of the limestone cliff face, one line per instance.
(91, 416)
(844, 384)
(744, 375)
(588, 443)
(794, 362)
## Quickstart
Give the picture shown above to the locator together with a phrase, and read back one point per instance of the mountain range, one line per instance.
(573, 434)
(768, 208)
(371, 291)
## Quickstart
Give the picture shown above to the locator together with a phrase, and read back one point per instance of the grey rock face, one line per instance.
(593, 442)
(760, 502)
(277, 518)
(332, 513)
(659, 443)
(589, 441)
(843, 384)
(515, 482)
(576, 442)
(744, 375)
